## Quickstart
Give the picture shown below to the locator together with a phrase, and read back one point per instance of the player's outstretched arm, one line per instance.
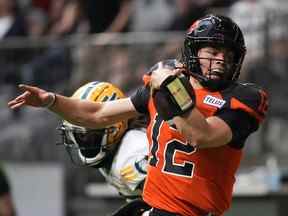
(80, 112)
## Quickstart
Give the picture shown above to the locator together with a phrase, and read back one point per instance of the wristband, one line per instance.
(178, 91)
(52, 102)
(175, 97)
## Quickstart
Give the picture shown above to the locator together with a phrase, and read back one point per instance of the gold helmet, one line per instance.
(89, 147)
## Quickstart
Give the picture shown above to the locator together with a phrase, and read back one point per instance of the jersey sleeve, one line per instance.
(140, 99)
(241, 124)
(251, 99)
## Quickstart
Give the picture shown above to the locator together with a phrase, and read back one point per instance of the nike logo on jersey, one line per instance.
(214, 101)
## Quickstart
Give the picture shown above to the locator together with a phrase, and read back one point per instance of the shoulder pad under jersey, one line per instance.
(250, 98)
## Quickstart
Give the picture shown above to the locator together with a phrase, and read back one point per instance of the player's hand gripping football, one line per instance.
(32, 96)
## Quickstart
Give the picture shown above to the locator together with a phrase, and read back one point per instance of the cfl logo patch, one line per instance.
(214, 101)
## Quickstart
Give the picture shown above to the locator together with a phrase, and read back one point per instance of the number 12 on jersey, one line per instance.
(172, 148)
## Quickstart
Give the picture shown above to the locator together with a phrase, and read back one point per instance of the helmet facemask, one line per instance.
(86, 147)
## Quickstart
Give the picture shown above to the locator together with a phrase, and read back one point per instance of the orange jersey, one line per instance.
(190, 181)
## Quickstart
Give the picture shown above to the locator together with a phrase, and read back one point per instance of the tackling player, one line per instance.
(120, 150)
(199, 119)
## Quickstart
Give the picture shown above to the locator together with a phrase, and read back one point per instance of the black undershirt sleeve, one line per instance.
(140, 99)
(241, 123)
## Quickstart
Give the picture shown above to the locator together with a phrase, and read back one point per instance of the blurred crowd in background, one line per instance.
(59, 18)
(62, 44)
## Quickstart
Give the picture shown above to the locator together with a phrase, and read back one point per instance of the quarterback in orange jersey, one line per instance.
(199, 119)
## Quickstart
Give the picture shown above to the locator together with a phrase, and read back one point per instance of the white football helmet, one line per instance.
(89, 147)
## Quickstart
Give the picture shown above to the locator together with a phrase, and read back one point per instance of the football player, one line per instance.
(120, 150)
(199, 119)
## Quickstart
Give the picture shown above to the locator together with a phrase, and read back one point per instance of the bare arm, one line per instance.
(203, 132)
(79, 112)
(93, 114)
